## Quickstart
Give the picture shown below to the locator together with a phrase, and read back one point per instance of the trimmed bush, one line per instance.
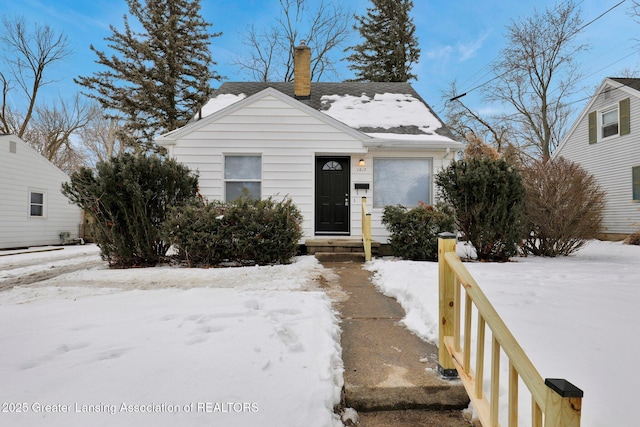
(487, 195)
(414, 232)
(127, 199)
(563, 207)
(196, 231)
(246, 231)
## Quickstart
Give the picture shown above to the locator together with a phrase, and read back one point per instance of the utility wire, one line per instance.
(634, 52)
(565, 39)
(487, 65)
(607, 90)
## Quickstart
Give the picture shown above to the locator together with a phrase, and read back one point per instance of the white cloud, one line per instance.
(443, 52)
(468, 50)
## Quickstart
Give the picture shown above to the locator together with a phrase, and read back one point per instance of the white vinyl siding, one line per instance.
(612, 161)
(288, 139)
(23, 174)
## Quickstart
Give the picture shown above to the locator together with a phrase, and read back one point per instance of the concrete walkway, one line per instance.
(390, 374)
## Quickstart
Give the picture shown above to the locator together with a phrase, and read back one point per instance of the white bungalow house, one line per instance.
(324, 145)
(605, 140)
(33, 210)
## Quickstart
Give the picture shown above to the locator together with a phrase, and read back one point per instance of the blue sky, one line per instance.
(459, 38)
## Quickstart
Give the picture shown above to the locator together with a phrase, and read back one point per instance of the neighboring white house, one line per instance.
(324, 145)
(33, 210)
(605, 140)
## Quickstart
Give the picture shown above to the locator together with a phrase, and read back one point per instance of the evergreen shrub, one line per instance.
(563, 208)
(414, 232)
(246, 231)
(487, 196)
(127, 199)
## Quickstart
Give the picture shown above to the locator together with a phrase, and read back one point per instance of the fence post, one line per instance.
(564, 404)
(446, 284)
(366, 230)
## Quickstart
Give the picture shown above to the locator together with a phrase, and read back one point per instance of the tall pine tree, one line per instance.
(390, 47)
(158, 77)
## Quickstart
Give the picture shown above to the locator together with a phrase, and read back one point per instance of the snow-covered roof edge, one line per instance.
(170, 137)
(429, 130)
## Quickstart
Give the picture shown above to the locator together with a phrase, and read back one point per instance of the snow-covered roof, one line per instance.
(220, 102)
(385, 111)
(381, 110)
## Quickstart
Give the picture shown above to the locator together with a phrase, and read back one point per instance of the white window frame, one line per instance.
(601, 126)
(42, 205)
(376, 199)
(240, 179)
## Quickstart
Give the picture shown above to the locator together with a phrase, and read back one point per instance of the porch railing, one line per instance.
(366, 230)
(555, 402)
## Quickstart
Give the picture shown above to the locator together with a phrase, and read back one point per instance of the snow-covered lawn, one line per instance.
(576, 317)
(260, 345)
(168, 347)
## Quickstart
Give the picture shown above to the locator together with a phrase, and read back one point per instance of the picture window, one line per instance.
(401, 181)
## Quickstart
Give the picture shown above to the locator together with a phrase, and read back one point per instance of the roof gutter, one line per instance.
(412, 145)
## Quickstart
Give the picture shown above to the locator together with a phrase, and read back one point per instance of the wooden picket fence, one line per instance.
(555, 402)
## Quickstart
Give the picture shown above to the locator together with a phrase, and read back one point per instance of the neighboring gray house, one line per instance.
(325, 145)
(605, 140)
(33, 210)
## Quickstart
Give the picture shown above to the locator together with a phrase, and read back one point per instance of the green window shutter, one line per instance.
(625, 119)
(593, 127)
(636, 182)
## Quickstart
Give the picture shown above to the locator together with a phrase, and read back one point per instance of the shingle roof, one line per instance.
(323, 95)
(632, 83)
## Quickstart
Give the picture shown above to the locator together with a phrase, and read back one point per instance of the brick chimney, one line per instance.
(302, 71)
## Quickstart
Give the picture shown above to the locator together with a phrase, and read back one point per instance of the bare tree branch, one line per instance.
(323, 28)
(52, 127)
(260, 66)
(99, 139)
(462, 121)
(29, 55)
(536, 73)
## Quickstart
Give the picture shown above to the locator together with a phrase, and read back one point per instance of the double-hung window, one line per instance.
(242, 176)
(609, 122)
(36, 204)
(614, 120)
(401, 181)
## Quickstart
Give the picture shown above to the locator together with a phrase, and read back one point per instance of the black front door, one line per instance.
(332, 195)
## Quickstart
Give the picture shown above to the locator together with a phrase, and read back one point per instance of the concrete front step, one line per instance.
(339, 249)
(341, 245)
(340, 256)
(413, 418)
